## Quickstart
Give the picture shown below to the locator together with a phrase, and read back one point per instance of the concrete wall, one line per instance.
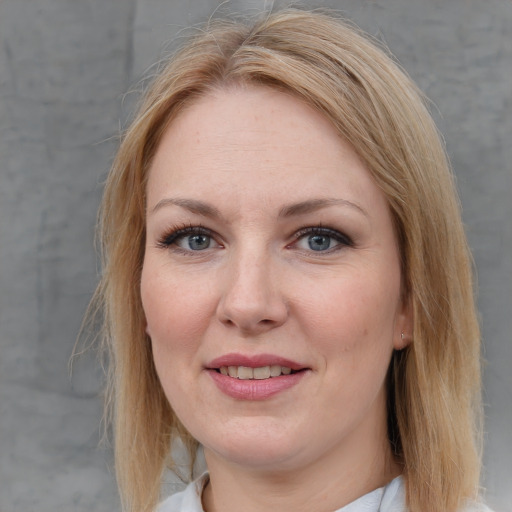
(64, 68)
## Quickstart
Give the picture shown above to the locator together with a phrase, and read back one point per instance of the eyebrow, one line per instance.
(312, 205)
(301, 208)
(194, 206)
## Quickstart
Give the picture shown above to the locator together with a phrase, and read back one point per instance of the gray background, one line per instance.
(65, 69)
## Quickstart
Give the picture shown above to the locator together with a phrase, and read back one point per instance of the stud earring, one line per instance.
(404, 339)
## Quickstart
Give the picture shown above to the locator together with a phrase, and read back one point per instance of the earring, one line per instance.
(405, 340)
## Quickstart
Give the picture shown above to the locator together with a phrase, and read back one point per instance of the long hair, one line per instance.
(434, 383)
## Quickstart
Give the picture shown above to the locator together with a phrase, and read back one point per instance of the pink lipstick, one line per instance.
(255, 377)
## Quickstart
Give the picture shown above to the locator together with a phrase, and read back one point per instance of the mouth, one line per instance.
(258, 373)
(255, 367)
(255, 377)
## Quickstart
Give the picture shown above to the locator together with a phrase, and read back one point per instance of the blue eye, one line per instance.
(191, 239)
(320, 239)
(194, 242)
(320, 242)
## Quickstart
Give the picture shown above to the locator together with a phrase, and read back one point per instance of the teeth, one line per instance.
(245, 373)
(263, 372)
(275, 370)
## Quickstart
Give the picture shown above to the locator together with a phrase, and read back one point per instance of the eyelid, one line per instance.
(325, 230)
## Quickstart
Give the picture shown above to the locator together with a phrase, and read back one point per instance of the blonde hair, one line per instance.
(434, 383)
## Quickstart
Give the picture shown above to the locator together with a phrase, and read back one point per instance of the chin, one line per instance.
(262, 449)
(257, 458)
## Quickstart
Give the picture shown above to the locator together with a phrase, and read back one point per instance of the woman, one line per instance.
(287, 282)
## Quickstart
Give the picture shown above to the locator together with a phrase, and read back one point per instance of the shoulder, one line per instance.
(188, 500)
(173, 503)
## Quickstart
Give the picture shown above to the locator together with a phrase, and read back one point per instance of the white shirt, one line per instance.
(386, 499)
(390, 498)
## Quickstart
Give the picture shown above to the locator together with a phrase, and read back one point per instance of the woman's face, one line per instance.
(271, 283)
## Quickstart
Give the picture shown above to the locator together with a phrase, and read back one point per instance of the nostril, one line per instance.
(250, 313)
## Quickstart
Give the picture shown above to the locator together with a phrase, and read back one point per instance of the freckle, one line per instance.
(365, 332)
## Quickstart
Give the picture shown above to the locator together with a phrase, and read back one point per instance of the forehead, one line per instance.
(248, 116)
(256, 142)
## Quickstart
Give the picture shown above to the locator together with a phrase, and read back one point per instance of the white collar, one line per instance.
(390, 498)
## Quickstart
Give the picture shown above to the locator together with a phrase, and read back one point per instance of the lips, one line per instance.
(255, 361)
(254, 377)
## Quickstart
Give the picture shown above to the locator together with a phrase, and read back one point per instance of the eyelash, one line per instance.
(175, 233)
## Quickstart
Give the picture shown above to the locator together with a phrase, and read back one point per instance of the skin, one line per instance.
(258, 287)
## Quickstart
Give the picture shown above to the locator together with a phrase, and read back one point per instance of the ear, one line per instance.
(147, 330)
(404, 325)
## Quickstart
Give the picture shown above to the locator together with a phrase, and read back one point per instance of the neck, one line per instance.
(328, 483)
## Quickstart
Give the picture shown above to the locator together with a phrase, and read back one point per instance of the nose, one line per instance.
(252, 300)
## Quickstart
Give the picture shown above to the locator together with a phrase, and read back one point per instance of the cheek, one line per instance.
(177, 310)
(353, 316)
